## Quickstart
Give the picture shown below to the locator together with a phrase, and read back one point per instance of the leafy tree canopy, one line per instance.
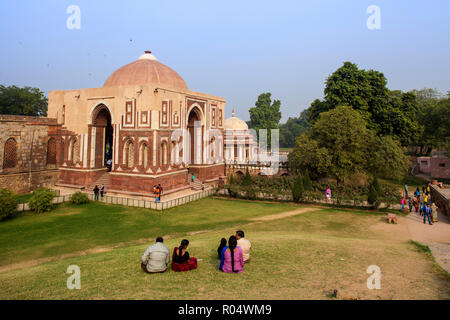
(340, 144)
(387, 112)
(265, 114)
(25, 101)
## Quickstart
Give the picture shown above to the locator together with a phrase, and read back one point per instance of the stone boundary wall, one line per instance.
(442, 201)
(21, 183)
(132, 202)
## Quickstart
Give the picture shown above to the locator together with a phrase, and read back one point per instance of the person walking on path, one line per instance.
(427, 214)
(410, 204)
(96, 191)
(406, 191)
(402, 202)
(416, 203)
(328, 194)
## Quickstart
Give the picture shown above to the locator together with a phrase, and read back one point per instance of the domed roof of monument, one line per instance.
(147, 69)
(234, 123)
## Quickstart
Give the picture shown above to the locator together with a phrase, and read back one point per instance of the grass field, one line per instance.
(303, 256)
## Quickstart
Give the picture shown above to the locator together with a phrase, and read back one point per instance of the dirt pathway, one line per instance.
(411, 227)
(436, 236)
(283, 215)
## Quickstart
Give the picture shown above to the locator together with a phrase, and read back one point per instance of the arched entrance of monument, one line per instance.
(196, 136)
(103, 136)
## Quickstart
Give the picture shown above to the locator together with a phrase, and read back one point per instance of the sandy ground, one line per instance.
(411, 227)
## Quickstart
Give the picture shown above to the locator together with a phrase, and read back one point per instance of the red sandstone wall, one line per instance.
(79, 178)
(139, 184)
(208, 173)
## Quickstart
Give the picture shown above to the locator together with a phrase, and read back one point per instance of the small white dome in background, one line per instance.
(148, 56)
(235, 123)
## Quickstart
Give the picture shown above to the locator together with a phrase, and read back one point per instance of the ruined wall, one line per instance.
(28, 152)
(442, 199)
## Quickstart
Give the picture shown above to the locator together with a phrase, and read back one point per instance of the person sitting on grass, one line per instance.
(223, 244)
(232, 260)
(181, 260)
(156, 258)
(245, 245)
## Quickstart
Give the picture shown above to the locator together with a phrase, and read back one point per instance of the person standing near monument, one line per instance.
(96, 191)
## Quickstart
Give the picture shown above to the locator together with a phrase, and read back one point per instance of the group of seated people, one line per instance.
(232, 257)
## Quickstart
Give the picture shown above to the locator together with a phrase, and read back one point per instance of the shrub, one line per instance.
(297, 189)
(8, 204)
(231, 180)
(79, 198)
(41, 200)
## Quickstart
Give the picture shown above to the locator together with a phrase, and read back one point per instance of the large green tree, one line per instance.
(25, 101)
(434, 117)
(265, 114)
(387, 112)
(293, 128)
(340, 144)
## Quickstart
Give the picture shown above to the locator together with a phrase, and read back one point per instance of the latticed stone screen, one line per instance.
(51, 151)
(130, 155)
(10, 154)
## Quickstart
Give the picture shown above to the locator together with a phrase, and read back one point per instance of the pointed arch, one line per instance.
(10, 154)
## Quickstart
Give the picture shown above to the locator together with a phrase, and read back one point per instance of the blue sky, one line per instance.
(233, 49)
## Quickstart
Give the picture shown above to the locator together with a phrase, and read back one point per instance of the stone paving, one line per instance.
(436, 236)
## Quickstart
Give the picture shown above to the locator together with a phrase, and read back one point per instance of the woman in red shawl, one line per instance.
(181, 260)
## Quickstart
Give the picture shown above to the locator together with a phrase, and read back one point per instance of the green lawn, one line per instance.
(305, 256)
(73, 228)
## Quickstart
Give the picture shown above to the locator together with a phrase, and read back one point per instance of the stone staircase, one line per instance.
(196, 185)
(104, 179)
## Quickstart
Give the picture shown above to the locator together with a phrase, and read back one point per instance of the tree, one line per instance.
(265, 114)
(340, 144)
(309, 155)
(307, 185)
(293, 128)
(386, 112)
(247, 179)
(25, 101)
(387, 158)
(435, 118)
(374, 193)
(343, 133)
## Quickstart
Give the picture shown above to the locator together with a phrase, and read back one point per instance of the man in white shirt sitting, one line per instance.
(156, 258)
(245, 245)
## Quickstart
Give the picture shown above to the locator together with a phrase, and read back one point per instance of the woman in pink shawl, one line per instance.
(328, 194)
(232, 259)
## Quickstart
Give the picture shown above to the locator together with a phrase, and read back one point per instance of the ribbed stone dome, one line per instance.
(145, 70)
(234, 123)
